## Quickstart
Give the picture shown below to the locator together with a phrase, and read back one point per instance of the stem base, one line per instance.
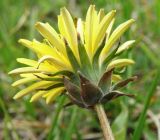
(107, 132)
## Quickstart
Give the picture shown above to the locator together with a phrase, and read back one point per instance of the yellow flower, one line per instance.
(77, 60)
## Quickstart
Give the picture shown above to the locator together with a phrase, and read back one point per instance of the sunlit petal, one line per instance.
(125, 46)
(71, 34)
(80, 29)
(49, 33)
(24, 80)
(52, 94)
(116, 78)
(102, 29)
(91, 26)
(32, 88)
(37, 95)
(114, 37)
(120, 63)
(101, 14)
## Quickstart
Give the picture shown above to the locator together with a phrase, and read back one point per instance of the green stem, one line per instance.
(107, 132)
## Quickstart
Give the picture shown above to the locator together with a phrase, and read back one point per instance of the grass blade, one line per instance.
(7, 120)
(142, 118)
(71, 127)
(55, 119)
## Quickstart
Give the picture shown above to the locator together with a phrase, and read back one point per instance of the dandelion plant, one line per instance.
(80, 61)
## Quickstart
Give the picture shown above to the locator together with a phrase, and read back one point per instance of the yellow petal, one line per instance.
(70, 30)
(116, 78)
(114, 37)
(102, 27)
(25, 70)
(109, 29)
(80, 29)
(59, 64)
(42, 49)
(25, 75)
(70, 27)
(29, 44)
(49, 33)
(65, 60)
(125, 46)
(91, 26)
(52, 94)
(25, 42)
(46, 50)
(26, 61)
(37, 95)
(45, 95)
(39, 48)
(101, 14)
(34, 63)
(24, 80)
(32, 88)
(61, 27)
(120, 63)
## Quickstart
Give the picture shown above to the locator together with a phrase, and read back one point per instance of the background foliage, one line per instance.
(130, 118)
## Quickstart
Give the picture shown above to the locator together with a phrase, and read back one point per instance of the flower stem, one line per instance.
(107, 132)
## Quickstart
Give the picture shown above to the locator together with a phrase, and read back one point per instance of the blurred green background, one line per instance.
(131, 119)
